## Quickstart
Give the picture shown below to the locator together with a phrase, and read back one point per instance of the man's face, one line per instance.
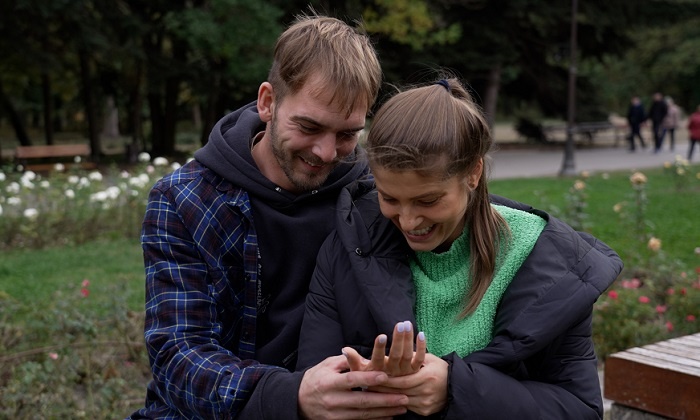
(309, 137)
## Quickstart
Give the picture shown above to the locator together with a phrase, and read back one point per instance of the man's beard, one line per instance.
(286, 160)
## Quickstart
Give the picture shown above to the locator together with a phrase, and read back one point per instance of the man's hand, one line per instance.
(326, 393)
(402, 360)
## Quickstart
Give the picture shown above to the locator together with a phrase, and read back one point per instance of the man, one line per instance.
(230, 242)
(635, 118)
(657, 112)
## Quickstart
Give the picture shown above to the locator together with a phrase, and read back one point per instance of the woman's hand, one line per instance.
(402, 360)
(426, 389)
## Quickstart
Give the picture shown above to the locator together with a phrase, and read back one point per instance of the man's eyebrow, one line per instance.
(311, 121)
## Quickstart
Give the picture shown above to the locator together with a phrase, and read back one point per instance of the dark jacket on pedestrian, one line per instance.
(635, 115)
(657, 111)
(540, 363)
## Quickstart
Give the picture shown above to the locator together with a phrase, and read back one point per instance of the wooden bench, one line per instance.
(661, 379)
(586, 130)
(44, 158)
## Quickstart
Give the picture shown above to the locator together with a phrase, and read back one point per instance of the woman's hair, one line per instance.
(341, 55)
(438, 130)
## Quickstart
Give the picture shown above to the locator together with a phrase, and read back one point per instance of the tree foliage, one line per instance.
(162, 61)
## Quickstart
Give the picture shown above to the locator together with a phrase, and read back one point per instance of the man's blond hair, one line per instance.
(342, 56)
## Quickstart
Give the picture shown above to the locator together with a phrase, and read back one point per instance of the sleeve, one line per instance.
(193, 373)
(561, 382)
(321, 332)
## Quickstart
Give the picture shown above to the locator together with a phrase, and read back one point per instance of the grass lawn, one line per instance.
(33, 276)
(672, 215)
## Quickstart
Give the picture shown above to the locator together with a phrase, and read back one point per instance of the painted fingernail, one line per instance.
(400, 327)
(408, 326)
(421, 336)
(382, 339)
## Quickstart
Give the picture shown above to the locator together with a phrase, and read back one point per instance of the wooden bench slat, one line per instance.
(56, 150)
(661, 378)
(43, 158)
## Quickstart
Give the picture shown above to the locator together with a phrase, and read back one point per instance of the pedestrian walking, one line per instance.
(670, 122)
(693, 131)
(635, 118)
(657, 112)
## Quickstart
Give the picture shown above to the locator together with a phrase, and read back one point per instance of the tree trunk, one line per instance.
(89, 103)
(211, 111)
(48, 106)
(135, 121)
(491, 95)
(15, 119)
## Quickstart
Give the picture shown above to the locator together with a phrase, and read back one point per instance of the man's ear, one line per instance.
(266, 100)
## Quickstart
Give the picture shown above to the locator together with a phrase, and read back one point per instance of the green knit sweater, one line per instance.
(442, 281)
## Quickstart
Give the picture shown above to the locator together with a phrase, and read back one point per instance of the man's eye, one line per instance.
(307, 129)
(348, 135)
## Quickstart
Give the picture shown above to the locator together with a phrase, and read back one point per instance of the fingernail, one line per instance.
(400, 327)
(382, 339)
(408, 325)
(421, 336)
(344, 354)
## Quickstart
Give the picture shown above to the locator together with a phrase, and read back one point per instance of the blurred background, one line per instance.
(129, 76)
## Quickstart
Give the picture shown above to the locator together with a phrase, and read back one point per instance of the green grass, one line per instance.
(33, 276)
(672, 215)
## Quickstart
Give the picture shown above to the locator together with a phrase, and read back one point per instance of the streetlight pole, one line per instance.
(568, 167)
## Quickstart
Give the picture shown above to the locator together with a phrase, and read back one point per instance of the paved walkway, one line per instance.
(547, 161)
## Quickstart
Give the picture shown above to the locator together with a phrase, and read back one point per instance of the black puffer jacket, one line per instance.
(541, 362)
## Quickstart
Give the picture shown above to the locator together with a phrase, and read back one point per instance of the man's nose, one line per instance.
(325, 148)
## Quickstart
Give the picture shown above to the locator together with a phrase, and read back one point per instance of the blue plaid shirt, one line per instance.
(201, 258)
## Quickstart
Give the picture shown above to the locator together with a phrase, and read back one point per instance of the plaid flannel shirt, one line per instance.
(201, 258)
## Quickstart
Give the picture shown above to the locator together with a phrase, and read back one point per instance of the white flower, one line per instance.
(2, 176)
(175, 166)
(26, 183)
(70, 193)
(113, 192)
(136, 182)
(31, 213)
(150, 169)
(44, 184)
(144, 157)
(0, 210)
(13, 188)
(95, 176)
(144, 178)
(98, 196)
(14, 201)
(77, 159)
(59, 167)
(160, 161)
(73, 179)
(84, 182)
(124, 174)
(29, 175)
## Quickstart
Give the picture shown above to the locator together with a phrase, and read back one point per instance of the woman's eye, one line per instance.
(429, 202)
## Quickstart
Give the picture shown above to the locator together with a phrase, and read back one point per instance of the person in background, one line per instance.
(670, 122)
(500, 294)
(693, 131)
(230, 241)
(635, 118)
(657, 113)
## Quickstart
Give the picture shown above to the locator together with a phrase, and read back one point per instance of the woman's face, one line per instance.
(429, 210)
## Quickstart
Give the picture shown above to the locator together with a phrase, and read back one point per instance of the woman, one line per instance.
(502, 294)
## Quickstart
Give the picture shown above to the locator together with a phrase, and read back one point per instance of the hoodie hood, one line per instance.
(228, 154)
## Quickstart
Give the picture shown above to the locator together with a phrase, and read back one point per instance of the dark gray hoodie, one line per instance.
(290, 229)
